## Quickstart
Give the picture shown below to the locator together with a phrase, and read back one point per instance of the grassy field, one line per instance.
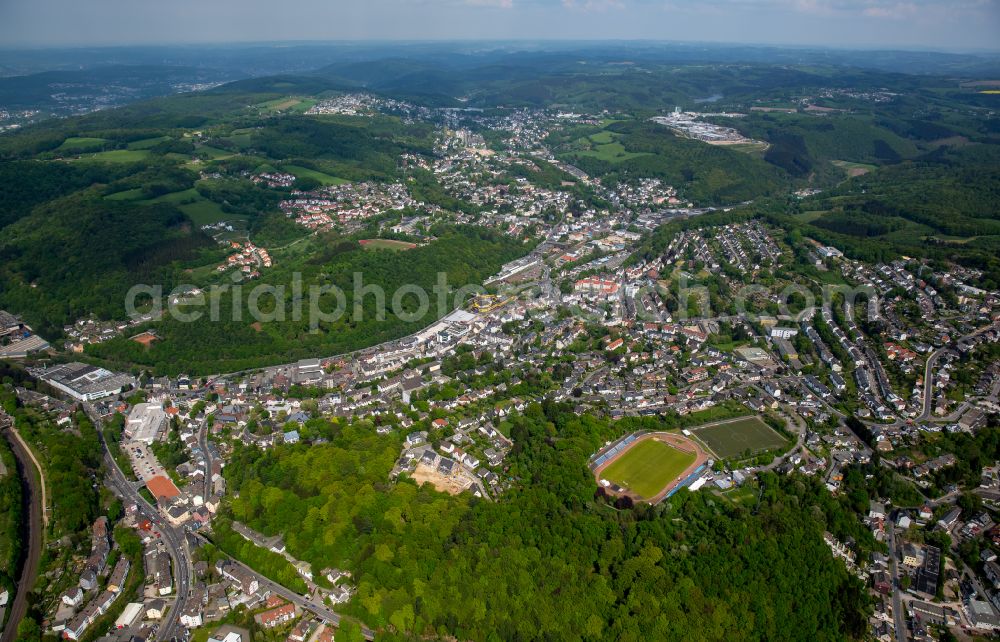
(214, 153)
(204, 212)
(118, 156)
(810, 215)
(83, 144)
(610, 152)
(291, 104)
(305, 172)
(199, 209)
(855, 169)
(647, 467)
(279, 104)
(178, 197)
(757, 148)
(604, 146)
(126, 195)
(602, 138)
(386, 244)
(240, 137)
(147, 143)
(733, 438)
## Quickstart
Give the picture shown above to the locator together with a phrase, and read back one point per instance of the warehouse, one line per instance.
(85, 382)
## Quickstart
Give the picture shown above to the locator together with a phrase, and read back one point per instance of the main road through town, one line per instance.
(172, 538)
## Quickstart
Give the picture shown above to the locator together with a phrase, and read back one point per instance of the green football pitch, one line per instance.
(647, 467)
(729, 439)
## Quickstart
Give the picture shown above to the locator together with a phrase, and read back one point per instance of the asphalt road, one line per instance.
(931, 360)
(304, 603)
(929, 383)
(899, 620)
(34, 535)
(171, 537)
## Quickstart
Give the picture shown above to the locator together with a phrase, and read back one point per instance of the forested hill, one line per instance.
(549, 561)
(941, 206)
(466, 254)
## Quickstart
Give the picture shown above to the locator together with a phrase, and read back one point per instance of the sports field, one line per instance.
(734, 437)
(648, 467)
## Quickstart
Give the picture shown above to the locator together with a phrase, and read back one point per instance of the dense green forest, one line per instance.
(71, 457)
(354, 149)
(25, 184)
(695, 568)
(80, 254)
(467, 255)
(706, 174)
(940, 206)
(802, 143)
(11, 516)
(952, 192)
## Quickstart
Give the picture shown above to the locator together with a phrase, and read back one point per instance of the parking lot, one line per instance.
(144, 462)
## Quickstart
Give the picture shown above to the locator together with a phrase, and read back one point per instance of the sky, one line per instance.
(962, 25)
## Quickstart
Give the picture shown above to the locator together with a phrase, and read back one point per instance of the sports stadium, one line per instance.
(648, 466)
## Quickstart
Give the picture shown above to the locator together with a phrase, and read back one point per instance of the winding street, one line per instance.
(304, 603)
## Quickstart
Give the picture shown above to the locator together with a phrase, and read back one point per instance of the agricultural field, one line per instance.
(755, 147)
(734, 437)
(647, 467)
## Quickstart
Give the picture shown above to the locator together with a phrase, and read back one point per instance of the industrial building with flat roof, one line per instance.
(84, 382)
(23, 347)
(145, 422)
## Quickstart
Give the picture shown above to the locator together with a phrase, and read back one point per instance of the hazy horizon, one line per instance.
(525, 44)
(924, 25)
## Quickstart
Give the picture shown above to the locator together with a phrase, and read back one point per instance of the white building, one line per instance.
(145, 421)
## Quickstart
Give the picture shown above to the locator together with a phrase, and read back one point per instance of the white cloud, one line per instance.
(501, 4)
(893, 10)
(593, 5)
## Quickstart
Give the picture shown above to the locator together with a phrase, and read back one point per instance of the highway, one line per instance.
(171, 537)
(34, 534)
